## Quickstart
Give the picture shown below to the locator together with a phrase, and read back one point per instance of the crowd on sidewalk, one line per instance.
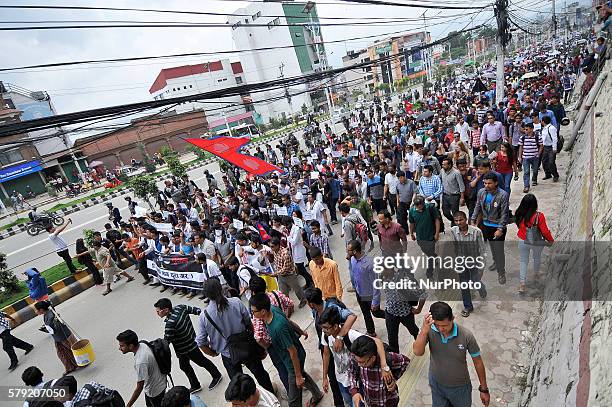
(393, 183)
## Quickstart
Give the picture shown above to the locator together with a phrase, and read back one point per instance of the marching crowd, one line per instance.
(395, 178)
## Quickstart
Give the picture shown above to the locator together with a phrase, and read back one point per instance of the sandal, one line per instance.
(466, 313)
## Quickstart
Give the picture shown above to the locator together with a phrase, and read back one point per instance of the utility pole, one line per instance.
(287, 94)
(503, 38)
(554, 27)
(427, 50)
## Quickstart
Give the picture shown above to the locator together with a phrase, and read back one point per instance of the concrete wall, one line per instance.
(569, 346)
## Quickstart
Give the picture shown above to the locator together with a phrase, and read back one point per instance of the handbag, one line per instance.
(242, 346)
(533, 235)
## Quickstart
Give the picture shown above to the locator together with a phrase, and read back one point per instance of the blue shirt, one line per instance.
(431, 186)
(363, 276)
(487, 203)
(551, 114)
(234, 319)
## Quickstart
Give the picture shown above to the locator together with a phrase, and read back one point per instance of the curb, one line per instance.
(14, 230)
(23, 310)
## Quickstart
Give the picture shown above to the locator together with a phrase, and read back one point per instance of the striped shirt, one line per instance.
(179, 329)
(469, 244)
(430, 186)
(531, 145)
(322, 242)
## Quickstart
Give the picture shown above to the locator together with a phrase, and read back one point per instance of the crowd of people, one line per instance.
(392, 182)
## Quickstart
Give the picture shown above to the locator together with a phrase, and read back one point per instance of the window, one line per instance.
(190, 86)
(222, 80)
(238, 80)
(274, 22)
(8, 157)
(236, 25)
(184, 87)
(246, 20)
(256, 15)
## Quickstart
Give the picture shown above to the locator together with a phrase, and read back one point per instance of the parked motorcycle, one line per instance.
(40, 222)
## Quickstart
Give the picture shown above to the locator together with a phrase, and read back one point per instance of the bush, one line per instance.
(88, 237)
(200, 153)
(8, 282)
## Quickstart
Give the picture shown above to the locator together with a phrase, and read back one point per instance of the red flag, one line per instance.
(228, 148)
(328, 137)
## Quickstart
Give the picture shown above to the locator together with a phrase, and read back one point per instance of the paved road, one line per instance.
(25, 251)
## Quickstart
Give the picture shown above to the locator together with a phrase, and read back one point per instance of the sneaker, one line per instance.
(215, 382)
(501, 279)
(195, 389)
(482, 292)
(466, 312)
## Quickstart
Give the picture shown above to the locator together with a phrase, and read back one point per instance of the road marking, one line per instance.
(64, 231)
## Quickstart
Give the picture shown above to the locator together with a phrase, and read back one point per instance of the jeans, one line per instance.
(524, 250)
(366, 310)
(66, 256)
(466, 295)
(507, 180)
(199, 359)
(549, 158)
(392, 322)
(304, 273)
(530, 164)
(450, 206)
(290, 282)
(346, 396)
(295, 393)
(497, 247)
(9, 343)
(429, 248)
(256, 368)
(445, 396)
(402, 215)
(392, 198)
(155, 401)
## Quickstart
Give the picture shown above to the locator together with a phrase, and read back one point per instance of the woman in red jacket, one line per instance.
(528, 217)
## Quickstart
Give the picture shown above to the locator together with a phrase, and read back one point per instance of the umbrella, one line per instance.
(489, 75)
(530, 75)
(469, 63)
(95, 164)
(425, 115)
(479, 86)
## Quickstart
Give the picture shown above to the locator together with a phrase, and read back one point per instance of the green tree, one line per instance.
(144, 188)
(88, 237)
(200, 153)
(171, 158)
(148, 164)
(8, 282)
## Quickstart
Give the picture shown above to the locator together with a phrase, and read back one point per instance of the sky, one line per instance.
(87, 87)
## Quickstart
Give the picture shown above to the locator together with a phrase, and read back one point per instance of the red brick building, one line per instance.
(118, 147)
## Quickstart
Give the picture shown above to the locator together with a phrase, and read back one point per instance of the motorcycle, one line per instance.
(73, 190)
(44, 220)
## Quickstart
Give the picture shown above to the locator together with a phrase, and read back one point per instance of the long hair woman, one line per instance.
(62, 336)
(527, 217)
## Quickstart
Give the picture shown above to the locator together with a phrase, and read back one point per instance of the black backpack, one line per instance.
(161, 351)
(101, 398)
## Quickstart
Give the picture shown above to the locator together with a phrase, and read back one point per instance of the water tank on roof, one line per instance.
(39, 95)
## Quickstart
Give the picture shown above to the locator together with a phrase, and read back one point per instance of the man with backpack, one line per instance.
(180, 333)
(149, 375)
(425, 221)
(92, 394)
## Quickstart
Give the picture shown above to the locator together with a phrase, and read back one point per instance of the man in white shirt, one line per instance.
(319, 212)
(390, 190)
(549, 154)
(61, 248)
(463, 129)
(244, 392)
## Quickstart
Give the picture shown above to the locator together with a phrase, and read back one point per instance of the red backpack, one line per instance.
(361, 231)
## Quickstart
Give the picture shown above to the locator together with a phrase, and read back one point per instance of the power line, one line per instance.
(430, 6)
(223, 52)
(88, 115)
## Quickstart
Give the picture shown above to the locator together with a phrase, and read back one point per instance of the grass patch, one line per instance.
(16, 222)
(51, 275)
(85, 198)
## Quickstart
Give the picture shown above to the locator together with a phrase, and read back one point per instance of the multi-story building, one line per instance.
(290, 36)
(201, 78)
(31, 159)
(407, 59)
(358, 80)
